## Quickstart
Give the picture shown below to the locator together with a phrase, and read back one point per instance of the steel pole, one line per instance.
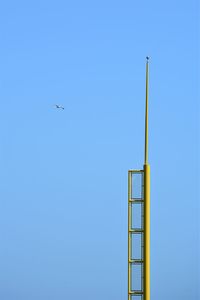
(146, 232)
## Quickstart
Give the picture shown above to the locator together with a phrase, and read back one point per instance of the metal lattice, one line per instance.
(135, 234)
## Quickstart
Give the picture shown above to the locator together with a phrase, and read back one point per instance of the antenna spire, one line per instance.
(146, 112)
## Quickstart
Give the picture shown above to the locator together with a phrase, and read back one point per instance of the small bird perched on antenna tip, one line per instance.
(59, 106)
(147, 57)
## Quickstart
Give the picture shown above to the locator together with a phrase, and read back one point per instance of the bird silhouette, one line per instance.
(59, 106)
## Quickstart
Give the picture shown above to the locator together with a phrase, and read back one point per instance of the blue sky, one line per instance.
(63, 208)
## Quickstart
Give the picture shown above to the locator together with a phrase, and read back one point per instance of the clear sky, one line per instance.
(63, 173)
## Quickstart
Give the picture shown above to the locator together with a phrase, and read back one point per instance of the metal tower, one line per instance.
(139, 222)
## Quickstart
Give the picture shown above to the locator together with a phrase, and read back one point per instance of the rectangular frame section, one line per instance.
(137, 185)
(136, 247)
(136, 297)
(136, 277)
(137, 215)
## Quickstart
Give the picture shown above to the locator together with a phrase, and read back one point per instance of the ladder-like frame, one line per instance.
(132, 231)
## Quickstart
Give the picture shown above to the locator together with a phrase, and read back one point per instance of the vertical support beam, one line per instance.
(129, 234)
(146, 198)
(146, 232)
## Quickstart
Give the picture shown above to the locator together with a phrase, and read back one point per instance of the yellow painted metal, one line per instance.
(145, 217)
(146, 113)
(146, 199)
(146, 232)
(129, 234)
(133, 231)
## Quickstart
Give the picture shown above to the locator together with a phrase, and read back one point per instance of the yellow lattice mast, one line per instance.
(139, 196)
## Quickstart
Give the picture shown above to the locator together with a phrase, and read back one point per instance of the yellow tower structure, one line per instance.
(139, 222)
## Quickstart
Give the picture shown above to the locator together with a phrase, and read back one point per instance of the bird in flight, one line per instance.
(59, 106)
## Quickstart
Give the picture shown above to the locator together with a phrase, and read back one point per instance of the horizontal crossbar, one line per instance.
(136, 261)
(136, 200)
(136, 230)
(135, 292)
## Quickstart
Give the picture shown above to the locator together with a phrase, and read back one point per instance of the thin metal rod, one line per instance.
(146, 112)
(129, 234)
